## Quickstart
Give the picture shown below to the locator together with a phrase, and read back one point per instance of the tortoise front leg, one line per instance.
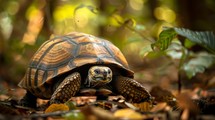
(131, 89)
(67, 88)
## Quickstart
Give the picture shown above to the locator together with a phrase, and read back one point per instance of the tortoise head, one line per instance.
(98, 76)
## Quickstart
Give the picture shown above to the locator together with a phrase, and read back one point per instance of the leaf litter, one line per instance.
(165, 105)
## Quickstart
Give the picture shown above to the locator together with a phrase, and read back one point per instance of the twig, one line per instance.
(134, 30)
(57, 113)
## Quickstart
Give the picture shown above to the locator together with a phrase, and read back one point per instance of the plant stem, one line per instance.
(179, 82)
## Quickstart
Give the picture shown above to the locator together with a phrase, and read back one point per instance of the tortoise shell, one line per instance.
(62, 54)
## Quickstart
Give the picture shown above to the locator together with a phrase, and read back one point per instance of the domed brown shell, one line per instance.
(64, 53)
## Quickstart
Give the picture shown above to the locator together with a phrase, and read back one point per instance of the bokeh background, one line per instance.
(129, 24)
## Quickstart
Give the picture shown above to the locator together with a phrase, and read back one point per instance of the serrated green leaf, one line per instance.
(198, 64)
(206, 39)
(165, 39)
(175, 50)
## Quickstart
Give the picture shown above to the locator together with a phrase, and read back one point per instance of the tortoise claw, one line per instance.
(88, 92)
(67, 88)
(92, 92)
(103, 91)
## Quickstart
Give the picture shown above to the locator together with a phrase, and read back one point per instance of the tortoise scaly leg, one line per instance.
(67, 88)
(131, 90)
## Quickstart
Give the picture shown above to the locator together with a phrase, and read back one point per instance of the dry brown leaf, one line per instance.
(163, 95)
(185, 102)
(96, 113)
(127, 114)
(143, 106)
(185, 115)
(57, 107)
(159, 107)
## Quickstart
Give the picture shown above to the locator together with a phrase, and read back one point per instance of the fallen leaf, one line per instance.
(71, 105)
(143, 106)
(57, 107)
(159, 107)
(74, 116)
(96, 113)
(163, 95)
(185, 115)
(127, 114)
(185, 102)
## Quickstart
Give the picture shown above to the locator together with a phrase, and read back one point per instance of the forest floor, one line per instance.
(165, 106)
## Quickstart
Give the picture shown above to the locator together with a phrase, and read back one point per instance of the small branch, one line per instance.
(134, 30)
(179, 82)
(57, 113)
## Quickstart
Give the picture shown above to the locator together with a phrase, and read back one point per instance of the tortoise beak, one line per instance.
(104, 78)
(99, 78)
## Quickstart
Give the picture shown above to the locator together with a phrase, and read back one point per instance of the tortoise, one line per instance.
(79, 64)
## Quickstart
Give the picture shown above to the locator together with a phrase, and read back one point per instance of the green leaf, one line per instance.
(74, 115)
(198, 64)
(175, 50)
(188, 43)
(71, 105)
(155, 54)
(165, 39)
(206, 39)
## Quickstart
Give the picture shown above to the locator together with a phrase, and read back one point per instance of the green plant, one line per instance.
(190, 62)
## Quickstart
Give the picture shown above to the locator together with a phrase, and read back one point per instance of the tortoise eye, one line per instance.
(109, 71)
(97, 71)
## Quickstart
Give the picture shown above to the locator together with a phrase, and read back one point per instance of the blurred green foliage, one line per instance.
(190, 62)
(132, 25)
(74, 116)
